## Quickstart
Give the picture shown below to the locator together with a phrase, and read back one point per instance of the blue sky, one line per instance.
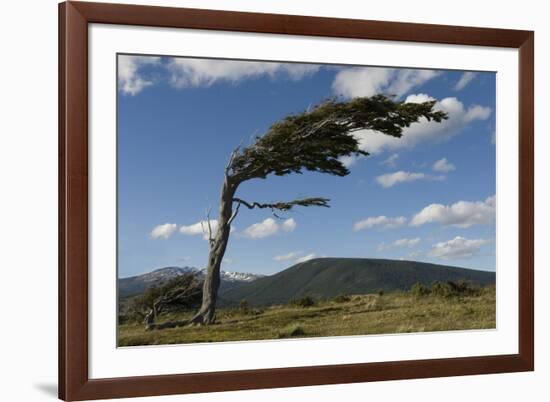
(428, 196)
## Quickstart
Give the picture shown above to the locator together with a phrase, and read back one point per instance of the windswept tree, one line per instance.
(180, 293)
(314, 140)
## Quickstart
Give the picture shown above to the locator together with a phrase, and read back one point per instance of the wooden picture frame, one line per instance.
(74, 381)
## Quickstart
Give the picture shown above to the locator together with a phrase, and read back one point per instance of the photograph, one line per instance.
(276, 200)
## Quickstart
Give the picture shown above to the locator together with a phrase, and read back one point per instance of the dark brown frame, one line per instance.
(74, 383)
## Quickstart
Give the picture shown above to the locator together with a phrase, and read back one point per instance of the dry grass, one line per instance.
(361, 315)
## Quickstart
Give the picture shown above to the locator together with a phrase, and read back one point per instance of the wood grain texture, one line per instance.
(73, 202)
(74, 382)
(526, 261)
(298, 25)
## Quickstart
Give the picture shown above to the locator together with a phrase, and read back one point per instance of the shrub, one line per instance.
(291, 331)
(306, 301)
(465, 288)
(419, 290)
(381, 292)
(183, 292)
(455, 289)
(342, 299)
(297, 331)
(441, 289)
(244, 306)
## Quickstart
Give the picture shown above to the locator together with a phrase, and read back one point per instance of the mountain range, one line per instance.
(138, 284)
(318, 278)
(330, 277)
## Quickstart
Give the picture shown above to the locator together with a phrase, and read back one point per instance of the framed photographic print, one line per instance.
(258, 201)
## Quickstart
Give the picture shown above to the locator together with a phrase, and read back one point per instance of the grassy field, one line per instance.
(353, 315)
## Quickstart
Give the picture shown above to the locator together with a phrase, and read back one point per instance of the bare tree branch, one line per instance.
(285, 205)
(234, 154)
(234, 214)
(209, 225)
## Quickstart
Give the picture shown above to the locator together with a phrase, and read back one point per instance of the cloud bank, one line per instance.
(390, 161)
(368, 81)
(459, 117)
(379, 221)
(461, 214)
(443, 166)
(163, 231)
(200, 228)
(464, 80)
(130, 81)
(268, 227)
(193, 73)
(399, 243)
(186, 72)
(457, 248)
(288, 256)
(391, 179)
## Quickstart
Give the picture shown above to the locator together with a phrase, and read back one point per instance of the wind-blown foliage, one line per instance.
(315, 140)
(180, 293)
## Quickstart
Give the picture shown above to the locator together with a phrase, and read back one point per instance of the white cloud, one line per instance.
(268, 227)
(399, 243)
(186, 72)
(391, 179)
(457, 248)
(130, 81)
(349, 160)
(410, 78)
(305, 258)
(263, 229)
(381, 221)
(360, 81)
(443, 166)
(289, 225)
(165, 231)
(199, 228)
(407, 242)
(459, 117)
(368, 81)
(464, 80)
(288, 256)
(390, 161)
(477, 112)
(419, 98)
(462, 214)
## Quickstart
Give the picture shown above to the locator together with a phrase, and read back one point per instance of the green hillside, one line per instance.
(329, 277)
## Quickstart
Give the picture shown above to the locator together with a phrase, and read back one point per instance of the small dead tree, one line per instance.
(314, 140)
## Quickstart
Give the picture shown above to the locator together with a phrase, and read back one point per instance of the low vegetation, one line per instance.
(443, 306)
(446, 289)
(306, 301)
(178, 294)
(342, 299)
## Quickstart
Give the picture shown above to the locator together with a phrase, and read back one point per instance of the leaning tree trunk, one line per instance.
(218, 244)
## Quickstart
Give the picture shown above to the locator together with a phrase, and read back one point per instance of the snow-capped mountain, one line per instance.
(235, 276)
(138, 284)
(164, 274)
